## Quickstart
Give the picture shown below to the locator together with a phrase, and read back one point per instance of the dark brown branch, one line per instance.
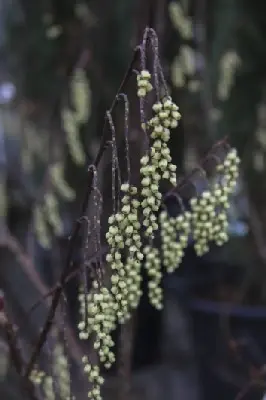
(217, 154)
(15, 355)
(76, 230)
(70, 276)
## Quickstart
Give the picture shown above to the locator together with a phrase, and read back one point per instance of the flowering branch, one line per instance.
(77, 226)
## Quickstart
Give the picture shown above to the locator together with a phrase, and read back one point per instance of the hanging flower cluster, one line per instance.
(61, 370)
(98, 317)
(144, 83)
(37, 376)
(48, 388)
(125, 259)
(94, 377)
(105, 307)
(203, 216)
(101, 319)
(175, 233)
(156, 166)
(229, 170)
(153, 268)
(207, 220)
(59, 383)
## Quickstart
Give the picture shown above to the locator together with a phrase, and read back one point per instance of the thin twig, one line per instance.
(186, 179)
(70, 276)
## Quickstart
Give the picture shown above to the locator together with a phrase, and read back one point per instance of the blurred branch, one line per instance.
(12, 244)
(15, 354)
(12, 341)
(258, 235)
(201, 44)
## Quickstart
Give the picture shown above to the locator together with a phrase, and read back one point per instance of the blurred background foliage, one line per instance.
(61, 62)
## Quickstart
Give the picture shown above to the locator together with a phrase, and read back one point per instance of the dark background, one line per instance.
(217, 76)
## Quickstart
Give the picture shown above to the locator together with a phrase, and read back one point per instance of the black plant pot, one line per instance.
(230, 341)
